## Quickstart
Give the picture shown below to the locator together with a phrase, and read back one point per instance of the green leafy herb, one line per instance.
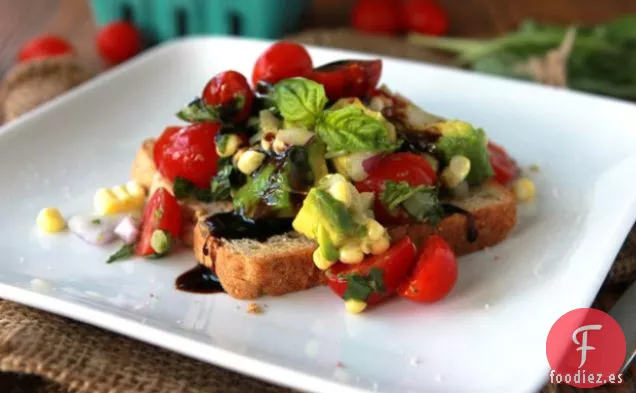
(352, 130)
(96, 221)
(420, 202)
(221, 141)
(184, 189)
(198, 112)
(125, 252)
(221, 187)
(360, 287)
(299, 101)
(602, 59)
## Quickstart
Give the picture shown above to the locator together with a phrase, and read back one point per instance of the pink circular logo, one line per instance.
(586, 348)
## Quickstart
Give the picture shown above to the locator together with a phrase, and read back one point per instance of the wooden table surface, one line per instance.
(21, 19)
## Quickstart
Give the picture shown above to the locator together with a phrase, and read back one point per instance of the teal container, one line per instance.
(161, 20)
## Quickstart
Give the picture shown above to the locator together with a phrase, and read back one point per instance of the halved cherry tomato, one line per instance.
(398, 167)
(377, 16)
(229, 94)
(44, 46)
(189, 152)
(348, 78)
(118, 42)
(162, 212)
(505, 168)
(383, 273)
(435, 274)
(424, 17)
(280, 61)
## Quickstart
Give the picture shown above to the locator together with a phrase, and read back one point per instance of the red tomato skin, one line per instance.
(189, 152)
(280, 61)
(44, 46)
(377, 17)
(118, 42)
(396, 264)
(398, 167)
(424, 17)
(349, 78)
(224, 90)
(505, 167)
(435, 273)
(168, 220)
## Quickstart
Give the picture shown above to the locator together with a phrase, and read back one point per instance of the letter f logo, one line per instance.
(583, 344)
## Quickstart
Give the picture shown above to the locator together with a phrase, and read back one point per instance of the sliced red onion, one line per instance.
(94, 229)
(128, 229)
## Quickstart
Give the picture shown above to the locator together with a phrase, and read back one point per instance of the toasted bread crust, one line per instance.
(281, 272)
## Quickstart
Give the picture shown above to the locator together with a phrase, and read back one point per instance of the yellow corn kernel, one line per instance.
(365, 246)
(278, 146)
(320, 261)
(375, 230)
(342, 192)
(351, 254)
(456, 171)
(135, 189)
(237, 156)
(380, 246)
(120, 193)
(354, 306)
(266, 141)
(250, 161)
(106, 202)
(50, 220)
(231, 146)
(524, 189)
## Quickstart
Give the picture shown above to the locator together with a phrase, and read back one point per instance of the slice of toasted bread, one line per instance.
(248, 269)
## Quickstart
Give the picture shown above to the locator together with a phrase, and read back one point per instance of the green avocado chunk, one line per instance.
(460, 138)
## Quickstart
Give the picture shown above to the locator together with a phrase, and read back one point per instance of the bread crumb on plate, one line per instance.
(254, 308)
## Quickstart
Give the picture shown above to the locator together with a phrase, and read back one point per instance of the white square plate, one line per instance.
(488, 336)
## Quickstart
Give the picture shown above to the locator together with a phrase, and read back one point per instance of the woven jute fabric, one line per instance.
(44, 353)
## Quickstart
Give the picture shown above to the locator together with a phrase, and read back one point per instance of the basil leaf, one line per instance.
(352, 130)
(299, 101)
(198, 112)
(360, 287)
(184, 189)
(126, 251)
(221, 186)
(420, 202)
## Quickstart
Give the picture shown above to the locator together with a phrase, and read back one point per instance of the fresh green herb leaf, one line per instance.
(420, 202)
(352, 130)
(299, 101)
(360, 287)
(126, 251)
(221, 185)
(184, 189)
(96, 221)
(221, 141)
(198, 112)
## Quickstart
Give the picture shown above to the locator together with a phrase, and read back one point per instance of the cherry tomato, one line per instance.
(230, 94)
(162, 211)
(377, 16)
(189, 152)
(394, 265)
(44, 46)
(434, 275)
(280, 61)
(349, 78)
(424, 17)
(398, 167)
(118, 42)
(504, 166)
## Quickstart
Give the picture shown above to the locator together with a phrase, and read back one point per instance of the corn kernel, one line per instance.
(380, 246)
(135, 189)
(106, 202)
(320, 261)
(524, 189)
(456, 171)
(250, 161)
(279, 146)
(355, 306)
(365, 246)
(237, 156)
(50, 220)
(266, 141)
(231, 145)
(351, 254)
(375, 230)
(342, 192)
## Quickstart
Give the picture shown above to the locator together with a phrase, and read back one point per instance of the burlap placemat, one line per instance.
(41, 352)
